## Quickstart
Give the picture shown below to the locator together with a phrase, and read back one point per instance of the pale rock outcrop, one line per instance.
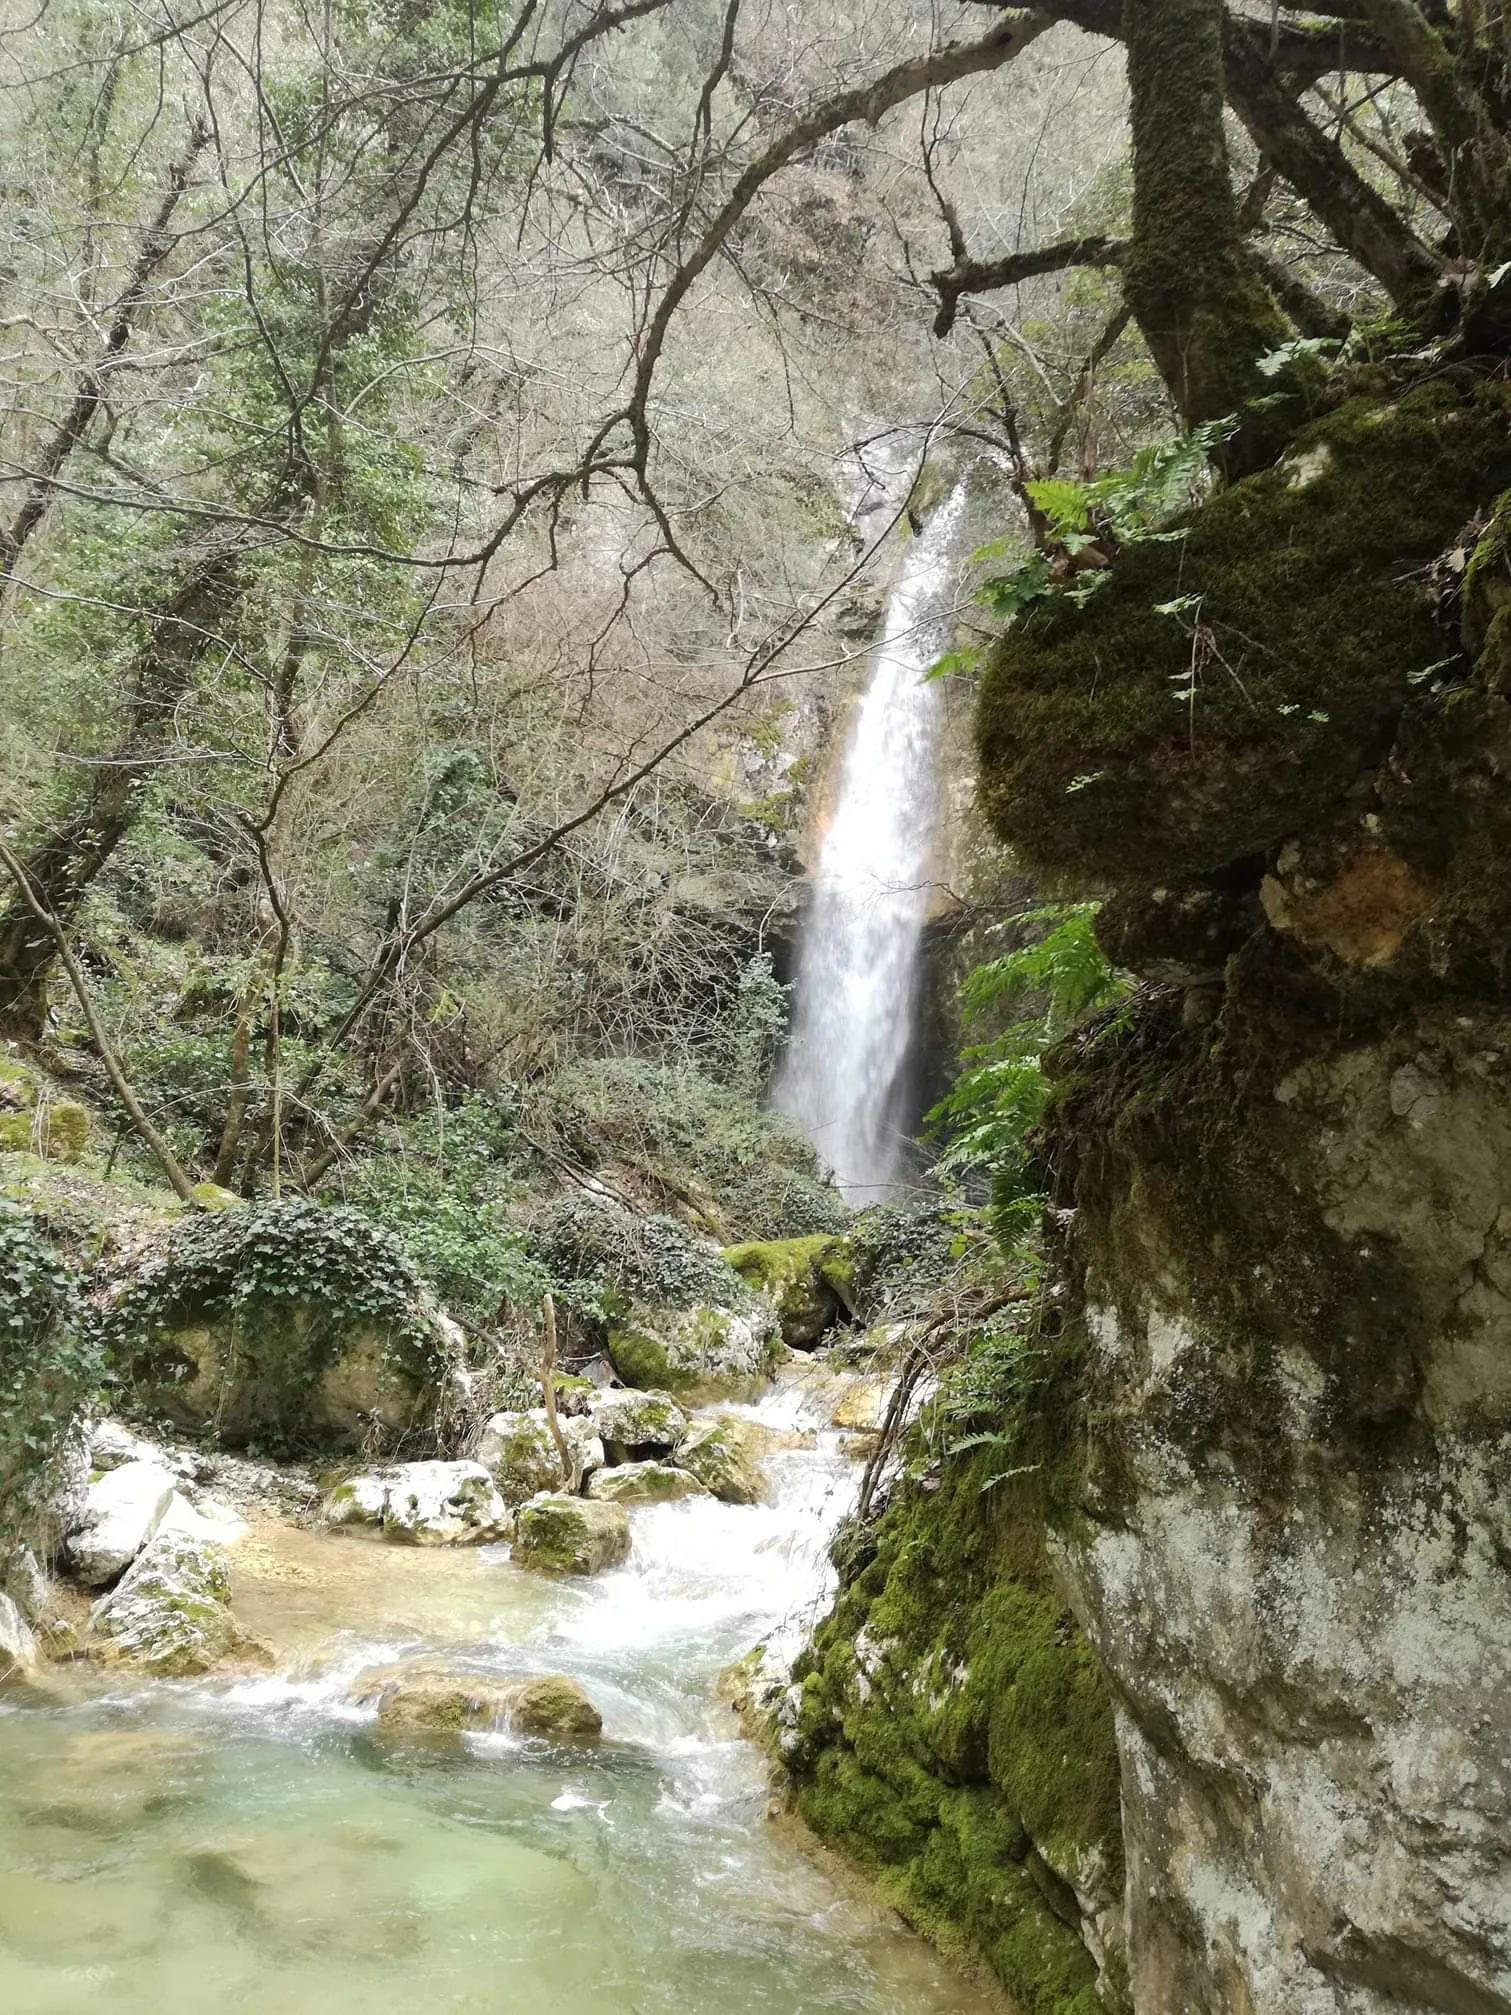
(170, 1613)
(424, 1504)
(18, 1648)
(119, 1514)
(644, 1483)
(570, 1535)
(636, 1425)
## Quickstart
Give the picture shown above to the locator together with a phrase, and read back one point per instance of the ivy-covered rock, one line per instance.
(170, 1613)
(635, 1425)
(702, 1351)
(644, 1483)
(721, 1453)
(570, 1535)
(290, 1324)
(809, 1281)
(49, 1366)
(421, 1697)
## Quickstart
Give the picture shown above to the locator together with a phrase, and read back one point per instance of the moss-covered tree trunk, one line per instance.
(1202, 309)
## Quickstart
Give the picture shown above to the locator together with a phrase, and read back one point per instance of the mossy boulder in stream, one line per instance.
(644, 1483)
(424, 1697)
(171, 1612)
(722, 1453)
(570, 1535)
(701, 1352)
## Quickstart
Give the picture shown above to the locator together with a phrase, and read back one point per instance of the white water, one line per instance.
(843, 1078)
(252, 1846)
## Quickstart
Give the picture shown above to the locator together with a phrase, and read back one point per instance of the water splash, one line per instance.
(844, 1077)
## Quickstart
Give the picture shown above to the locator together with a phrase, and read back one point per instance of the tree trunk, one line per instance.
(1201, 307)
(61, 860)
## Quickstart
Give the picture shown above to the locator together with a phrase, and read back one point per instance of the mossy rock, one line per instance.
(809, 1281)
(722, 1454)
(953, 1734)
(700, 1352)
(570, 1535)
(644, 1483)
(1226, 689)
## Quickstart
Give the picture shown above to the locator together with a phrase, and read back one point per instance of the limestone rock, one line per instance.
(121, 1511)
(570, 1535)
(18, 1648)
(112, 1445)
(644, 1483)
(420, 1696)
(23, 1580)
(423, 1504)
(721, 1453)
(698, 1350)
(521, 1455)
(635, 1425)
(171, 1612)
(861, 1404)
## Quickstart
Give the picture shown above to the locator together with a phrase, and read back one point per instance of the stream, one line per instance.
(253, 1844)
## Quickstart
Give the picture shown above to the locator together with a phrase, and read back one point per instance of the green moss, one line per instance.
(953, 1734)
(641, 1360)
(1122, 746)
(15, 1132)
(800, 1277)
(65, 1130)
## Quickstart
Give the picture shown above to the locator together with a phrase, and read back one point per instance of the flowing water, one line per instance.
(254, 1845)
(844, 1077)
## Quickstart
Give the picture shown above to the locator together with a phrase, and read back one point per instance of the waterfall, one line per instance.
(844, 1077)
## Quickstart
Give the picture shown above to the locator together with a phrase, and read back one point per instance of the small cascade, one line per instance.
(844, 1077)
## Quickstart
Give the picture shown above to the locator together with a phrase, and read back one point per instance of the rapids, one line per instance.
(251, 1844)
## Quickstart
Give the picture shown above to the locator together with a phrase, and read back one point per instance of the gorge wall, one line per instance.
(1280, 1409)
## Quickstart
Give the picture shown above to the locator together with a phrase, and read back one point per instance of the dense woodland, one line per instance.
(452, 461)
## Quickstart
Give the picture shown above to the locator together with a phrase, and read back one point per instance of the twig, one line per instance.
(548, 1387)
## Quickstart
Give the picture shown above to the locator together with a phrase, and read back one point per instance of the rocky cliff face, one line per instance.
(1286, 1187)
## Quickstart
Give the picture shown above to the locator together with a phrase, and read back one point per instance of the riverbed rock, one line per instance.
(424, 1504)
(810, 1282)
(634, 1426)
(701, 1351)
(861, 1404)
(419, 1696)
(570, 1535)
(521, 1455)
(722, 1454)
(120, 1513)
(170, 1613)
(644, 1483)
(18, 1648)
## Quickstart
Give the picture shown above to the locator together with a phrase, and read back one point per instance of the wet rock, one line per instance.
(721, 1453)
(112, 1445)
(18, 1648)
(437, 1700)
(423, 1504)
(862, 1404)
(120, 1513)
(170, 1613)
(22, 1579)
(698, 1350)
(644, 1483)
(570, 1535)
(635, 1425)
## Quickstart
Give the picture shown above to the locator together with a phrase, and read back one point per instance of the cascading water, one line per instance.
(844, 1077)
(252, 1846)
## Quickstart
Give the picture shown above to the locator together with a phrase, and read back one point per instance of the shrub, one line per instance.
(594, 1248)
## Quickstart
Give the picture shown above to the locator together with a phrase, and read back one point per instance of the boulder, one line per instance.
(862, 1404)
(636, 1425)
(570, 1535)
(702, 1350)
(722, 1454)
(170, 1613)
(423, 1504)
(421, 1697)
(644, 1483)
(18, 1648)
(112, 1445)
(521, 1455)
(810, 1282)
(120, 1512)
(22, 1579)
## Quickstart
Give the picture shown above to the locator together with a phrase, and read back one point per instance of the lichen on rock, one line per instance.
(570, 1535)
